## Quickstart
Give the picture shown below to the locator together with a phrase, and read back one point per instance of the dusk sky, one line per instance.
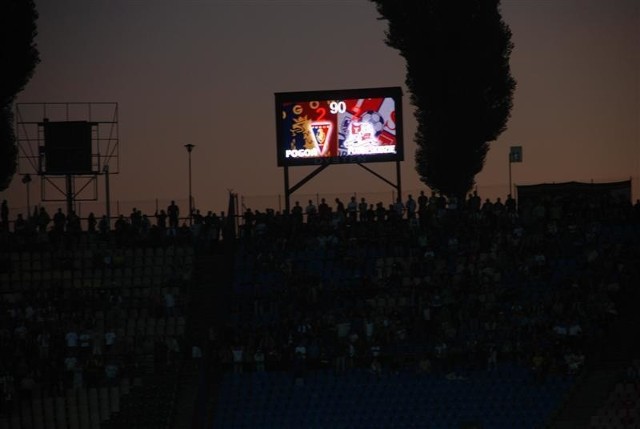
(205, 72)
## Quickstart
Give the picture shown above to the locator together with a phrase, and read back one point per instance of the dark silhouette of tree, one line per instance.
(19, 57)
(457, 59)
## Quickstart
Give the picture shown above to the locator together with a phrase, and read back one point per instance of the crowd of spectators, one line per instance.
(58, 335)
(40, 229)
(430, 284)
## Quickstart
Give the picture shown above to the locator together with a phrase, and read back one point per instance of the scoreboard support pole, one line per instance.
(287, 206)
(397, 185)
(70, 197)
(290, 190)
(398, 180)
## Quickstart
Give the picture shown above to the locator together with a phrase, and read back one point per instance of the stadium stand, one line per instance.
(473, 315)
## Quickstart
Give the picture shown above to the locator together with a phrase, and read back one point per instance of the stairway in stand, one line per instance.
(209, 296)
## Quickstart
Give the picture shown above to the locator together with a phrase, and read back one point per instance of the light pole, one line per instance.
(515, 155)
(189, 148)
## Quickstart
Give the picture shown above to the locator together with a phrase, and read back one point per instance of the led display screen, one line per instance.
(341, 126)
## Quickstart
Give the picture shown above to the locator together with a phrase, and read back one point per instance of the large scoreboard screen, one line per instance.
(341, 126)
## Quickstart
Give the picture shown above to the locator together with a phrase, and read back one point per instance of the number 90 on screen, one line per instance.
(337, 107)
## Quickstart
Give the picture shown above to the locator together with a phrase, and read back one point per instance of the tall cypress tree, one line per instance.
(457, 61)
(19, 57)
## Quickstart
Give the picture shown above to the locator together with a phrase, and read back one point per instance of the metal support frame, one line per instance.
(103, 116)
(288, 190)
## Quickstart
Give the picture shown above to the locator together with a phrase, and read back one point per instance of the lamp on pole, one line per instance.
(189, 148)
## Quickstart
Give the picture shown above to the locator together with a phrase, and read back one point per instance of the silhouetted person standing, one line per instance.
(298, 213)
(59, 221)
(174, 214)
(161, 220)
(92, 222)
(43, 220)
(352, 210)
(363, 209)
(411, 207)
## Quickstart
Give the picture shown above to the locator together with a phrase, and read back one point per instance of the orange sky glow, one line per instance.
(205, 72)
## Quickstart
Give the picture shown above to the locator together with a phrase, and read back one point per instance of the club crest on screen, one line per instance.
(321, 134)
